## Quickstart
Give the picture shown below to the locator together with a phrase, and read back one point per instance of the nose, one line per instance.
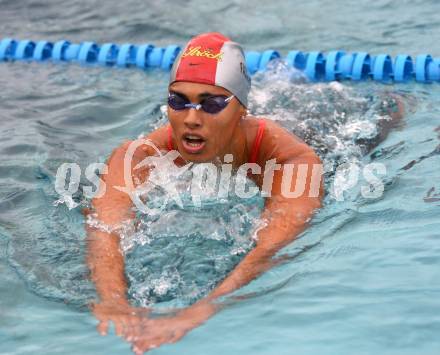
(193, 118)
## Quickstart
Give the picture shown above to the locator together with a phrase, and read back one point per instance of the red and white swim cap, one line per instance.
(212, 58)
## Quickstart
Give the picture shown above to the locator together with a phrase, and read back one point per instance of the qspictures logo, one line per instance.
(219, 179)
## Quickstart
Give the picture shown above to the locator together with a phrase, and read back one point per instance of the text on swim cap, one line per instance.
(197, 52)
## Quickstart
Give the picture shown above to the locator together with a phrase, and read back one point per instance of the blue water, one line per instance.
(364, 278)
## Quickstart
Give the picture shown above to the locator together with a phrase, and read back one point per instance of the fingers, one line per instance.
(144, 334)
(141, 346)
(102, 327)
(137, 350)
(135, 328)
(119, 326)
(142, 339)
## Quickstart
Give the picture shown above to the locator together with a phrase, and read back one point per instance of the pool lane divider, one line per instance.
(317, 66)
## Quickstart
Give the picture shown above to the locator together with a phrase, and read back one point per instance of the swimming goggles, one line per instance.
(211, 104)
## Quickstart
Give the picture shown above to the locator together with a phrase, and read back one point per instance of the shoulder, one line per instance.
(132, 152)
(156, 139)
(139, 148)
(276, 142)
(271, 128)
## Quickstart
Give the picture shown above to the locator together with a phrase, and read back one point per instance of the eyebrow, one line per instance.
(200, 96)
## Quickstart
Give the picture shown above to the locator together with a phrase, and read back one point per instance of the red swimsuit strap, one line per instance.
(170, 137)
(257, 142)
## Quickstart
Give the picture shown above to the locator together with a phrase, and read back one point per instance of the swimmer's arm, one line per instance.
(286, 219)
(395, 109)
(113, 208)
(104, 258)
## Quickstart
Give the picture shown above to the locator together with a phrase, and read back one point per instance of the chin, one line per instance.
(198, 158)
(202, 157)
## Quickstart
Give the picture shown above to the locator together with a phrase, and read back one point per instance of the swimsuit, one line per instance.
(257, 142)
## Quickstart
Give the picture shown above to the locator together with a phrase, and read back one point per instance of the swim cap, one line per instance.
(211, 58)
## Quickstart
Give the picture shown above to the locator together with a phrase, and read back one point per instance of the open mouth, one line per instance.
(193, 143)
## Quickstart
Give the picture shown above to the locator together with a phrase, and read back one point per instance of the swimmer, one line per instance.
(208, 120)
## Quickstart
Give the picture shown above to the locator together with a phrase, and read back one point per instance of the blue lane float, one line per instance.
(382, 68)
(422, 64)
(296, 59)
(317, 66)
(8, 48)
(24, 50)
(361, 66)
(59, 50)
(142, 55)
(42, 51)
(169, 55)
(108, 54)
(332, 68)
(126, 55)
(87, 52)
(403, 68)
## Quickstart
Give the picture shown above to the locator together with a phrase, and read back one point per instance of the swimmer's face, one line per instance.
(201, 136)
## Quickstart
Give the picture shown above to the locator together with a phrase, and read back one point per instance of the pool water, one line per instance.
(364, 278)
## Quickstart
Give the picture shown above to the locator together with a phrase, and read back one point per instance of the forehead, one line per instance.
(195, 89)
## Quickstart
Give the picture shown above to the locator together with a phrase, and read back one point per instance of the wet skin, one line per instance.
(228, 132)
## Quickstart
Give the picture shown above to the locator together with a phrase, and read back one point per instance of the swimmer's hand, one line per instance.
(154, 332)
(124, 317)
